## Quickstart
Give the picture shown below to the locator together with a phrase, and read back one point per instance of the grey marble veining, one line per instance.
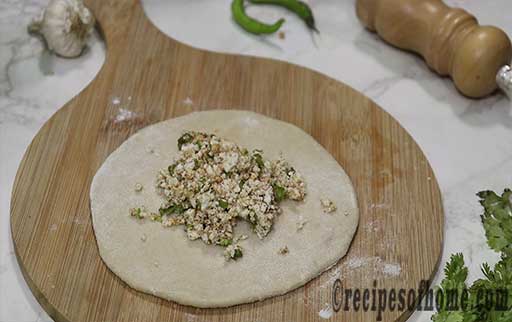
(466, 141)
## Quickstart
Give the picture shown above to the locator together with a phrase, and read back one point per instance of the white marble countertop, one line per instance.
(466, 141)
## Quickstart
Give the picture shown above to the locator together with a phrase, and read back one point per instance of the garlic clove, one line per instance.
(66, 26)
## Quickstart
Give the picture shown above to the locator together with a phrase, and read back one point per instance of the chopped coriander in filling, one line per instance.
(214, 182)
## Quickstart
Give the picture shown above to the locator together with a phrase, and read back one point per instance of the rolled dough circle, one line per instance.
(163, 262)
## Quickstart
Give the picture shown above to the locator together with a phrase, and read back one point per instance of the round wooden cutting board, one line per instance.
(398, 243)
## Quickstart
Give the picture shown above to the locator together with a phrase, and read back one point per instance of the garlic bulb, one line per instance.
(65, 25)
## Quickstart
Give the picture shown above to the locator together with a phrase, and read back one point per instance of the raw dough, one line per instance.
(170, 266)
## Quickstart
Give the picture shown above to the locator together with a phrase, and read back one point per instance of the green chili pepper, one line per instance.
(252, 25)
(298, 7)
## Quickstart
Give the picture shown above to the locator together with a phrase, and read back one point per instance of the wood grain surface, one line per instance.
(399, 199)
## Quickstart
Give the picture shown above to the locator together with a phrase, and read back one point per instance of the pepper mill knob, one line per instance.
(450, 40)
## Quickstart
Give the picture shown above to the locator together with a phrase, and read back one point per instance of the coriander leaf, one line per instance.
(172, 209)
(497, 220)
(504, 317)
(448, 316)
(225, 242)
(489, 298)
(456, 272)
(452, 287)
(258, 159)
(171, 169)
(223, 204)
(238, 253)
(279, 192)
(184, 139)
(137, 213)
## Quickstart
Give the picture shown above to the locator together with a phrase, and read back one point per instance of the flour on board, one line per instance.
(326, 312)
(124, 115)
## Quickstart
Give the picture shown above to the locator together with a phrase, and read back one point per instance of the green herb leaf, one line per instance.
(223, 204)
(497, 220)
(238, 254)
(456, 274)
(172, 209)
(279, 192)
(224, 242)
(449, 316)
(184, 139)
(256, 156)
(137, 213)
(171, 169)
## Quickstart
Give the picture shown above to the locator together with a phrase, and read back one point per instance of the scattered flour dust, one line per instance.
(251, 122)
(362, 261)
(392, 269)
(373, 226)
(382, 205)
(188, 101)
(116, 100)
(334, 274)
(190, 317)
(124, 115)
(388, 269)
(370, 264)
(326, 312)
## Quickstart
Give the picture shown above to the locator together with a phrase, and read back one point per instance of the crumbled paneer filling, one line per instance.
(214, 182)
(327, 205)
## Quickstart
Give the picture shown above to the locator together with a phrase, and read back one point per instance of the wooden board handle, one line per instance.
(115, 20)
(449, 39)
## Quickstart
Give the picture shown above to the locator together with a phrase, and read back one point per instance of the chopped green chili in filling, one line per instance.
(213, 183)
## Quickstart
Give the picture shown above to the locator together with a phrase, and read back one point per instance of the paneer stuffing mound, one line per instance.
(214, 182)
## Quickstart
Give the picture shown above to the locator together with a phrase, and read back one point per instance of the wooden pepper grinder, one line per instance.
(450, 40)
